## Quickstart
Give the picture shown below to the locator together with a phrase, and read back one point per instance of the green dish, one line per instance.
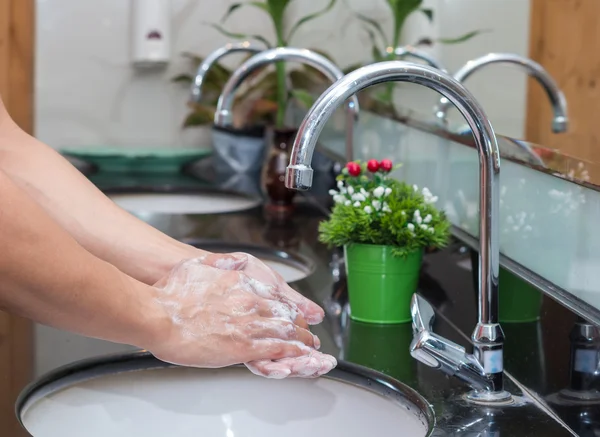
(137, 160)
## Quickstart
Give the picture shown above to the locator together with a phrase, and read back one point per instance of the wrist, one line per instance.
(149, 323)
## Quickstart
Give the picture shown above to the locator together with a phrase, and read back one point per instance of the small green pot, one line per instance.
(380, 286)
(519, 301)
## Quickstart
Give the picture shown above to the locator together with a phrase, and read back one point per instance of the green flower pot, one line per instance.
(519, 301)
(380, 286)
(384, 348)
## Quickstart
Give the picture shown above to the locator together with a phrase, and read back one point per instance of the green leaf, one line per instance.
(200, 116)
(462, 38)
(303, 97)
(183, 78)
(234, 35)
(277, 11)
(310, 17)
(234, 7)
(376, 26)
(401, 9)
(375, 52)
(428, 13)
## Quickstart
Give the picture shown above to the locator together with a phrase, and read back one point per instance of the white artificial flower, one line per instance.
(340, 184)
(430, 230)
(358, 197)
(419, 220)
(368, 209)
(338, 198)
(347, 203)
(417, 213)
(424, 227)
(415, 188)
(403, 212)
(351, 190)
(376, 204)
(387, 192)
(426, 192)
(356, 204)
(364, 192)
(386, 208)
(410, 227)
(378, 192)
(427, 218)
(332, 192)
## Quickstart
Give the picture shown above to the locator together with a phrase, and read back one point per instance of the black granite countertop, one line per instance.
(537, 354)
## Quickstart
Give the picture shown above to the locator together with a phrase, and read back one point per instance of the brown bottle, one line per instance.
(279, 143)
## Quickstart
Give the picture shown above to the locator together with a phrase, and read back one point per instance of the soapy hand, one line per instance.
(220, 317)
(217, 318)
(258, 270)
(311, 365)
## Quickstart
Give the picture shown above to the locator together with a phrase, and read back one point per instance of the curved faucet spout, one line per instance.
(560, 121)
(214, 57)
(487, 337)
(405, 51)
(223, 116)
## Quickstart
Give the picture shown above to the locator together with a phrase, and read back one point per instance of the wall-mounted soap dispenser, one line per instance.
(150, 33)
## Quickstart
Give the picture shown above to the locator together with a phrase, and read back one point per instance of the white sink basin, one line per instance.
(108, 400)
(189, 203)
(291, 267)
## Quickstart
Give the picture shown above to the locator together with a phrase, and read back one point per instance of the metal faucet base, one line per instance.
(483, 397)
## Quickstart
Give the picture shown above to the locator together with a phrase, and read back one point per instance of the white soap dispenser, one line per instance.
(150, 33)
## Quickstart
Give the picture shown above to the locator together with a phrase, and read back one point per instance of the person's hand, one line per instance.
(219, 317)
(259, 271)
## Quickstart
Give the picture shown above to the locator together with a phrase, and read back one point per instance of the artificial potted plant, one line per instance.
(379, 99)
(384, 225)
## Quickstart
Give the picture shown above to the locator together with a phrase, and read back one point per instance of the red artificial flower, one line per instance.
(386, 165)
(353, 168)
(372, 165)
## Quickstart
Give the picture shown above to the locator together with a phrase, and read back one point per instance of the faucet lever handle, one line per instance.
(435, 351)
(422, 314)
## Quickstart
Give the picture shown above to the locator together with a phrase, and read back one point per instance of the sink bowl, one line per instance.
(137, 395)
(292, 267)
(199, 202)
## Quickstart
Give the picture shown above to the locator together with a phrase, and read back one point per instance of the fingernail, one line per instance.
(317, 342)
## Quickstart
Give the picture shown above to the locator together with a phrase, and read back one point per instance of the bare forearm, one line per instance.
(48, 277)
(87, 214)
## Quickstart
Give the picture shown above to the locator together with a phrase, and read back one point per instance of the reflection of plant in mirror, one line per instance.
(380, 99)
(268, 94)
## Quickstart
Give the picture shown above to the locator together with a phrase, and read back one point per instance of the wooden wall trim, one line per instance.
(17, 25)
(565, 39)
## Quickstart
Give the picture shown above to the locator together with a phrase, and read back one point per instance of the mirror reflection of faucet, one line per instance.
(557, 99)
(580, 402)
(483, 370)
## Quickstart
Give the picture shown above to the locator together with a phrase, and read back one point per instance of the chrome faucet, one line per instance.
(223, 116)
(406, 51)
(484, 369)
(212, 58)
(560, 121)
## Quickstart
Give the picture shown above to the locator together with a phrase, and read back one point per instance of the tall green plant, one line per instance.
(276, 10)
(383, 43)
